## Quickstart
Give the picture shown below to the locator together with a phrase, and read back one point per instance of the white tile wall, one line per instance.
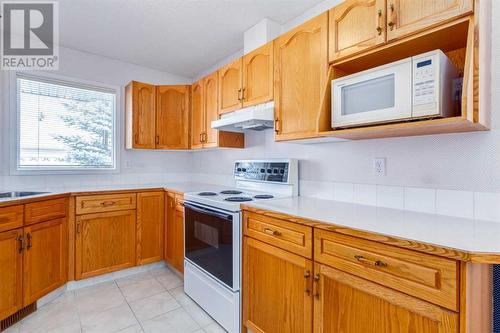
(390, 196)
(344, 192)
(420, 200)
(487, 206)
(464, 204)
(455, 203)
(365, 194)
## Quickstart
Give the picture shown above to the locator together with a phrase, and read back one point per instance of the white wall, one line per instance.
(457, 161)
(136, 166)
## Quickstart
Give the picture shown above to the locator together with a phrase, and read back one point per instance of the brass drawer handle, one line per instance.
(20, 239)
(377, 263)
(307, 275)
(108, 203)
(379, 28)
(30, 244)
(272, 232)
(391, 23)
(317, 287)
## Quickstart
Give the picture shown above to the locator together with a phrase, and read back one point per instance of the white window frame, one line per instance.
(14, 134)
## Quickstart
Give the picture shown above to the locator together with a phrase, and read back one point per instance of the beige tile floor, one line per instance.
(152, 301)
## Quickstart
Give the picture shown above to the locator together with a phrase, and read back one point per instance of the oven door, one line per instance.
(211, 239)
(379, 95)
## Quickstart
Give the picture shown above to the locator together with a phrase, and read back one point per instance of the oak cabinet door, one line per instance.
(356, 26)
(179, 244)
(150, 223)
(230, 89)
(45, 259)
(300, 70)
(276, 289)
(172, 117)
(141, 115)
(174, 237)
(211, 109)
(197, 115)
(11, 272)
(105, 242)
(346, 303)
(405, 17)
(258, 76)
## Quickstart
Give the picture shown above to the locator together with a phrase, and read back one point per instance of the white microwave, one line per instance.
(418, 87)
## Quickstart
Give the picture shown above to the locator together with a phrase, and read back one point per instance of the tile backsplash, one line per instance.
(465, 204)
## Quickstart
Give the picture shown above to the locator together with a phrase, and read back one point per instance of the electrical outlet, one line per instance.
(379, 166)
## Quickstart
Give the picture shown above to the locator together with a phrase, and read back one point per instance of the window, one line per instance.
(64, 126)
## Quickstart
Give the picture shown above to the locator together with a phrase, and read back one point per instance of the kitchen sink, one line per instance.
(18, 194)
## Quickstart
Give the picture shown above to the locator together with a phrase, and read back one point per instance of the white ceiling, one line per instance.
(178, 36)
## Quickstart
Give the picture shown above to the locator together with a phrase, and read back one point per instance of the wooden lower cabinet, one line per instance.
(150, 224)
(284, 290)
(11, 272)
(174, 232)
(44, 262)
(346, 303)
(105, 242)
(277, 289)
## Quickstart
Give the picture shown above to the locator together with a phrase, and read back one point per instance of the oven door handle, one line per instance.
(198, 209)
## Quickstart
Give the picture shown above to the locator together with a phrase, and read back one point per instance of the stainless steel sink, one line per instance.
(18, 194)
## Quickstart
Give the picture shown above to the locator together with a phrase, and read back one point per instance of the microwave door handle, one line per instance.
(209, 212)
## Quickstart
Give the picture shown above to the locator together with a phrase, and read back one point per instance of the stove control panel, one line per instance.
(276, 172)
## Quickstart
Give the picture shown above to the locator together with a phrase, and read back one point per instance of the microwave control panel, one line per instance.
(424, 81)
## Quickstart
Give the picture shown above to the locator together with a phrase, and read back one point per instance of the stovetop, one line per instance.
(255, 180)
(229, 199)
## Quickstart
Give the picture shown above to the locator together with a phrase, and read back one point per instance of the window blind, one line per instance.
(63, 125)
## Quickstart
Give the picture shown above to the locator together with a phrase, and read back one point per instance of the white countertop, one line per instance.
(183, 187)
(458, 233)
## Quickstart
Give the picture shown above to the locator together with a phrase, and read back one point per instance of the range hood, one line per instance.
(257, 118)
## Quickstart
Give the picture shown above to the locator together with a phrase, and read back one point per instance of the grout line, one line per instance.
(128, 304)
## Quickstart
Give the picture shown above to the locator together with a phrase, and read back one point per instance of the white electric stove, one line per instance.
(212, 234)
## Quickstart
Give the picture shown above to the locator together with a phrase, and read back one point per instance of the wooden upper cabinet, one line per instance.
(346, 303)
(172, 117)
(150, 224)
(405, 17)
(197, 115)
(211, 109)
(141, 115)
(355, 26)
(300, 74)
(230, 89)
(11, 272)
(45, 258)
(105, 242)
(258, 76)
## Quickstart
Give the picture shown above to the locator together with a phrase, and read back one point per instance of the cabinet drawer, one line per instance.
(105, 203)
(11, 217)
(425, 276)
(45, 210)
(289, 236)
